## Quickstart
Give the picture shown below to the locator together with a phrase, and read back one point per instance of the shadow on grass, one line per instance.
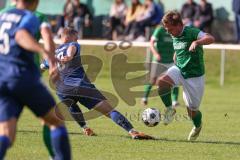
(201, 141)
(192, 142)
(156, 139)
(39, 132)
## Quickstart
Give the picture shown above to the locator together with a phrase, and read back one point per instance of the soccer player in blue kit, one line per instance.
(20, 83)
(74, 80)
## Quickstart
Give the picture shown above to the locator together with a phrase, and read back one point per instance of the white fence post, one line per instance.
(222, 66)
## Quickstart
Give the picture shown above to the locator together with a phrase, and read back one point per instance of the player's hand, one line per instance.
(158, 57)
(53, 69)
(54, 73)
(193, 46)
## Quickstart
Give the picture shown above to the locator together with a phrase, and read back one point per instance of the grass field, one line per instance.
(219, 139)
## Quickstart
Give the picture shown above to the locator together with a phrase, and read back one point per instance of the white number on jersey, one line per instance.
(4, 37)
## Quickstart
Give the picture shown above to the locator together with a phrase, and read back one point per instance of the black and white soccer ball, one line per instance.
(151, 117)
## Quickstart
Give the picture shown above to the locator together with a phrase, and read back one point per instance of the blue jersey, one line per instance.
(19, 77)
(16, 62)
(74, 83)
(72, 72)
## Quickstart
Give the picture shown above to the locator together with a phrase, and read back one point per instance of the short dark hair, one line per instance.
(173, 18)
(29, 1)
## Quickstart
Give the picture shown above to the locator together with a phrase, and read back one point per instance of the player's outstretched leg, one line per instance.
(196, 117)
(165, 84)
(105, 108)
(76, 113)
(59, 136)
(7, 135)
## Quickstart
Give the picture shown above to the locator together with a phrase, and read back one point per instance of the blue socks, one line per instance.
(119, 119)
(60, 143)
(4, 144)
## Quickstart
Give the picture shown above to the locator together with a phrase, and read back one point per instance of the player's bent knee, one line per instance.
(8, 129)
(104, 107)
(165, 81)
(52, 120)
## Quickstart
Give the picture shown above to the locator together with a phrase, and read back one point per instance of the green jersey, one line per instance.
(163, 45)
(43, 22)
(191, 64)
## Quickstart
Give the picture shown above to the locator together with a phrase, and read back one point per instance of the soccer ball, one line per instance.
(151, 117)
(44, 65)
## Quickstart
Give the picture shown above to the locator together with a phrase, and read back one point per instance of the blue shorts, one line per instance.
(15, 95)
(87, 95)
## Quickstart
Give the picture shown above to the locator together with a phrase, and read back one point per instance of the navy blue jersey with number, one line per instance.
(16, 62)
(72, 72)
(74, 83)
(20, 83)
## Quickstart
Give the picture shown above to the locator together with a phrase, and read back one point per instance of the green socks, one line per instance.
(147, 89)
(165, 94)
(197, 119)
(175, 94)
(47, 140)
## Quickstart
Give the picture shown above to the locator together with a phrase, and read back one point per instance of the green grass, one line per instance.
(219, 139)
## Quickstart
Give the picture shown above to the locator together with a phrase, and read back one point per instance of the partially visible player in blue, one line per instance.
(20, 83)
(74, 80)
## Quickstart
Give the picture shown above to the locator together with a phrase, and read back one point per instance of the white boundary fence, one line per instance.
(221, 47)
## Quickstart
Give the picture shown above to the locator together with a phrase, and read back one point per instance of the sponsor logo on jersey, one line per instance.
(180, 45)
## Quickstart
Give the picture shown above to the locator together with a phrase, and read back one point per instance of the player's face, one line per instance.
(64, 38)
(174, 30)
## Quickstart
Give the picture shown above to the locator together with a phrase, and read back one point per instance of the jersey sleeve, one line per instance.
(78, 47)
(195, 32)
(157, 33)
(29, 22)
(201, 34)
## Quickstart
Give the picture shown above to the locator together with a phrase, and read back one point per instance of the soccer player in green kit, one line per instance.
(188, 72)
(162, 49)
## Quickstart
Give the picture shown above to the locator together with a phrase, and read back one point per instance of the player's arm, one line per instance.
(153, 49)
(28, 42)
(203, 39)
(71, 51)
(25, 40)
(47, 37)
(48, 42)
